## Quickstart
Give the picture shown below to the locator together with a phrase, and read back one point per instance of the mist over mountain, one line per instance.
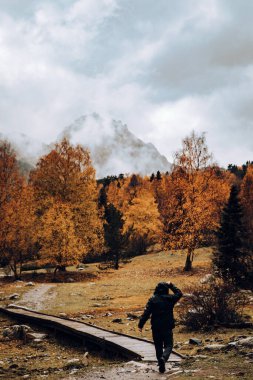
(114, 149)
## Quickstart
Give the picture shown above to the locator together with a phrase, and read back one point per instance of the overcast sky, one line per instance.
(163, 67)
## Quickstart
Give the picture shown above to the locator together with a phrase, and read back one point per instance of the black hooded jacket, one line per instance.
(160, 307)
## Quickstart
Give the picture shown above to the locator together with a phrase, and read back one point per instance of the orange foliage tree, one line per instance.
(65, 177)
(191, 198)
(143, 218)
(134, 197)
(10, 178)
(16, 212)
(60, 244)
(118, 194)
(18, 233)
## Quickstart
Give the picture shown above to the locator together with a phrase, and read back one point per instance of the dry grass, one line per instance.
(128, 288)
(49, 359)
(99, 292)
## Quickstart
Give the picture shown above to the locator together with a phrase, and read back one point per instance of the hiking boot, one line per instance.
(161, 364)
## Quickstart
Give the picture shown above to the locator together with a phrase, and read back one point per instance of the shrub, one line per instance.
(211, 305)
(137, 245)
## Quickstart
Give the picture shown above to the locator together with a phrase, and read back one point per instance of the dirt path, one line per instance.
(129, 371)
(38, 297)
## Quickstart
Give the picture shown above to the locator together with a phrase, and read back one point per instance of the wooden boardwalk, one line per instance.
(128, 346)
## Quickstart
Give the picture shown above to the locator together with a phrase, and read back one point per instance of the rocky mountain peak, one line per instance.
(114, 149)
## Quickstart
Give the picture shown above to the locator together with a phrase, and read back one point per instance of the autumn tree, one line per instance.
(119, 193)
(134, 186)
(66, 173)
(240, 171)
(16, 215)
(232, 258)
(135, 200)
(143, 219)
(191, 198)
(18, 234)
(59, 244)
(66, 177)
(10, 178)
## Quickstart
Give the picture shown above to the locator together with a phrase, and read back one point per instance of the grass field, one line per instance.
(127, 289)
(107, 294)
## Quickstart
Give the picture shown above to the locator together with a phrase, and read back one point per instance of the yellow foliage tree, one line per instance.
(18, 230)
(10, 178)
(67, 176)
(143, 217)
(64, 173)
(191, 198)
(117, 194)
(59, 244)
(15, 211)
(134, 197)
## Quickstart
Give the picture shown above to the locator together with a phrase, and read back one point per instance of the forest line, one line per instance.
(61, 214)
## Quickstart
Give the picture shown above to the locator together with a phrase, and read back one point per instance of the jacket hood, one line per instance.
(161, 288)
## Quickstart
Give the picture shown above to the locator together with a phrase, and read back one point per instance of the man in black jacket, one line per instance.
(160, 308)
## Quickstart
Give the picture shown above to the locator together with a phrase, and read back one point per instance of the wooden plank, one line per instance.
(128, 346)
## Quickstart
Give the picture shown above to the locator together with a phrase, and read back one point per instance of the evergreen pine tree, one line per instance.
(152, 177)
(158, 175)
(134, 181)
(113, 230)
(102, 197)
(230, 256)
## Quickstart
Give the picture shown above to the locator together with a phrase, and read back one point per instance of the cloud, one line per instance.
(164, 68)
(225, 116)
(39, 87)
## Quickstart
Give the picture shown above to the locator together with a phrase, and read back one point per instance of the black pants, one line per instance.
(163, 340)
